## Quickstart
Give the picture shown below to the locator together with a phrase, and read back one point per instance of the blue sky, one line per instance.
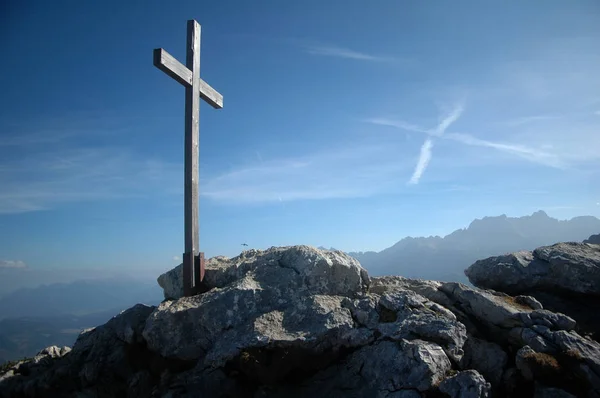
(346, 124)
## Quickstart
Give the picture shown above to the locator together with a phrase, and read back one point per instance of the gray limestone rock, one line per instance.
(486, 357)
(41, 361)
(569, 267)
(328, 272)
(565, 357)
(525, 365)
(564, 278)
(382, 369)
(280, 301)
(466, 384)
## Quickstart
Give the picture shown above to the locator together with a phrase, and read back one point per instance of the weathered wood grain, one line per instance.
(210, 95)
(192, 132)
(165, 62)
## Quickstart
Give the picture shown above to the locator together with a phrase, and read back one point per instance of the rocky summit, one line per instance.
(299, 321)
(594, 239)
(564, 277)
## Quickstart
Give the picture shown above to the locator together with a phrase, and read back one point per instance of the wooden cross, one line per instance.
(195, 88)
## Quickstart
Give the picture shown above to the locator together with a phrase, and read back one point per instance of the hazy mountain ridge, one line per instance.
(446, 258)
(54, 314)
(26, 336)
(79, 297)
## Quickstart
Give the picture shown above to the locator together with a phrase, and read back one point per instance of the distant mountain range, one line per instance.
(446, 258)
(25, 337)
(34, 318)
(79, 297)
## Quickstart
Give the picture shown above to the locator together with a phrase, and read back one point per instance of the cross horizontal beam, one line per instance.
(165, 62)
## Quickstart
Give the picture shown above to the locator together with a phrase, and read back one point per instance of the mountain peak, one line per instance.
(540, 214)
(487, 221)
(437, 258)
(493, 220)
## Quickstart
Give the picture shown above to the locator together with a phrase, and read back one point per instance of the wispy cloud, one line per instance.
(438, 131)
(45, 180)
(531, 119)
(35, 138)
(537, 155)
(341, 52)
(554, 71)
(12, 264)
(350, 171)
(423, 162)
(447, 120)
(66, 128)
(553, 87)
(41, 168)
(398, 124)
(176, 258)
(45, 137)
(529, 153)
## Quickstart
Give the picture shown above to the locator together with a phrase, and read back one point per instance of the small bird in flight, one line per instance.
(244, 244)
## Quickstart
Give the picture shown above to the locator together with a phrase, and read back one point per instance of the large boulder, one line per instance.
(564, 277)
(310, 304)
(333, 272)
(594, 239)
(487, 357)
(466, 384)
(383, 369)
(568, 267)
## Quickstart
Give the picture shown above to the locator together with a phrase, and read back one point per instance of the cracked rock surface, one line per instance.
(564, 277)
(299, 321)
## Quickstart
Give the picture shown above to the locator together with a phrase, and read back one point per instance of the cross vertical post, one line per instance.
(195, 88)
(191, 154)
